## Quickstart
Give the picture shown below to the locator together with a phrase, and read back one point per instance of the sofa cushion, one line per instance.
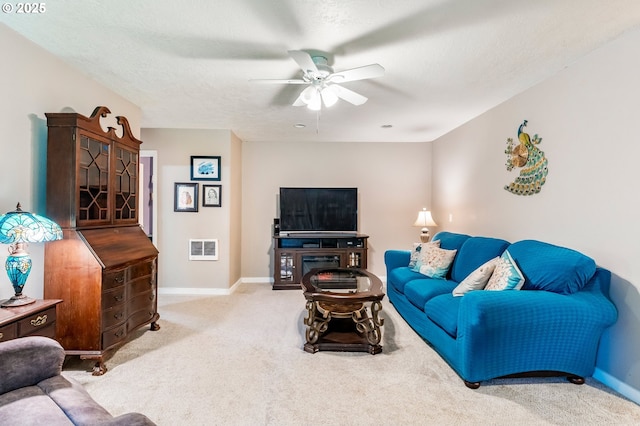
(74, 400)
(443, 311)
(506, 275)
(476, 280)
(436, 262)
(419, 292)
(29, 405)
(552, 268)
(416, 254)
(474, 252)
(399, 277)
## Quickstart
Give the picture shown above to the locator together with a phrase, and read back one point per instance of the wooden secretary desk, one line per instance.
(105, 268)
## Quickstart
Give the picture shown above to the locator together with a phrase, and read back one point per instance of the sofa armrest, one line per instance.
(396, 258)
(495, 329)
(28, 360)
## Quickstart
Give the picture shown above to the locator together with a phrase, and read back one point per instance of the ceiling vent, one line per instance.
(203, 249)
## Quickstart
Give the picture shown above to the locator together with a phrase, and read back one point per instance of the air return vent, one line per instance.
(203, 249)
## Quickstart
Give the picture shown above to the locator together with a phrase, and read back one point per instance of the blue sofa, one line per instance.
(552, 325)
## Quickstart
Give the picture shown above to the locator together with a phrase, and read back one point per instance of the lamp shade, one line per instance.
(424, 219)
(19, 228)
(23, 227)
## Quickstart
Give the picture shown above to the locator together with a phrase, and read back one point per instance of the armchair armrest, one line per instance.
(396, 258)
(28, 360)
(129, 419)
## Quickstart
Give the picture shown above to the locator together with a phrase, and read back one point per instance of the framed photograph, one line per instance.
(205, 167)
(211, 195)
(185, 197)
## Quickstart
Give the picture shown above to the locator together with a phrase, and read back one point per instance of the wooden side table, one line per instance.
(35, 319)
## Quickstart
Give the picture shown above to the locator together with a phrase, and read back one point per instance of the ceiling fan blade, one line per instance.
(304, 61)
(360, 73)
(348, 95)
(282, 81)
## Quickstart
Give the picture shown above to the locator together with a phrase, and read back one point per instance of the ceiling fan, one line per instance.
(323, 84)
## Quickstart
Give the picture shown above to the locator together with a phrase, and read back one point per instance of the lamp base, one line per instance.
(20, 300)
(424, 238)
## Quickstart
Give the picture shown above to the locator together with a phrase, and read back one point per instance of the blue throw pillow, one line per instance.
(552, 268)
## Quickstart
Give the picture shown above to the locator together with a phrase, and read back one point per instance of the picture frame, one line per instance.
(185, 197)
(205, 167)
(211, 195)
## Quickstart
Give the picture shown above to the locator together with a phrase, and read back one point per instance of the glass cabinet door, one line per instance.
(126, 185)
(93, 181)
(286, 267)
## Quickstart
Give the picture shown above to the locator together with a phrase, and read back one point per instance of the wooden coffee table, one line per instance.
(343, 306)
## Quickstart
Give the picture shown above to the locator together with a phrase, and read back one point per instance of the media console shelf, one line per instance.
(296, 254)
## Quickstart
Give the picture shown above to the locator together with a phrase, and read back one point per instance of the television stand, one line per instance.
(297, 254)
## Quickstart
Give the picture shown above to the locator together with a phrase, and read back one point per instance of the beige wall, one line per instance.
(235, 211)
(586, 116)
(34, 82)
(393, 181)
(175, 148)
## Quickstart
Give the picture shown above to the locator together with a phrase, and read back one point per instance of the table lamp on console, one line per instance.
(18, 228)
(423, 221)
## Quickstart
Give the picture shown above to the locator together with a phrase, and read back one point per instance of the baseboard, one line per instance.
(617, 385)
(211, 291)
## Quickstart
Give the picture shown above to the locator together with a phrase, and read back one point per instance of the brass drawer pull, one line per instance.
(41, 320)
(118, 298)
(1, 335)
(118, 315)
(120, 333)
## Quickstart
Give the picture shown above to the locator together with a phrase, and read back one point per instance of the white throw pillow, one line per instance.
(436, 261)
(506, 275)
(476, 280)
(418, 249)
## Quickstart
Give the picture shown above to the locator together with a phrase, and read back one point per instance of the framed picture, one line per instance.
(185, 197)
(205, 167)
(211, 195)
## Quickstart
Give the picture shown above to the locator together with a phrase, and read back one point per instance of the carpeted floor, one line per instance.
(238, 360)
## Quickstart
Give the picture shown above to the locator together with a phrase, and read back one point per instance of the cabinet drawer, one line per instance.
(113, 297)
(111, 279)
(139, 318)
(138, 286)
(141, 269)
(37, 322)
(141, 301)
(113, 316)
(8, 332)
(114, 335)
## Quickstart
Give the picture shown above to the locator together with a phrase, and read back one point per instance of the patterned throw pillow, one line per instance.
(506, 275)
(415, 253)
(477, 280)
(436, 262)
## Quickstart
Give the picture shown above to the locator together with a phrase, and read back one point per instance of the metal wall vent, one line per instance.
(203, 249)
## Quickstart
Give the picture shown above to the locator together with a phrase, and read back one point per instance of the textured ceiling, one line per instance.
(188, 64)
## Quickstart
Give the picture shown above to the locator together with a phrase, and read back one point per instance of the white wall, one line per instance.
(393, 181)
(34, 82)
(587, 116)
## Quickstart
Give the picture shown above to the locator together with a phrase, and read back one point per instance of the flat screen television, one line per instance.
(319, 210)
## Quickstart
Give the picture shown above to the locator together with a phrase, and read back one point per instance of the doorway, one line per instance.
(147, 205)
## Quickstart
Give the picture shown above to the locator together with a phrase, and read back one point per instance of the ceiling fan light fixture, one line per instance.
(315, 103)
(329, 98)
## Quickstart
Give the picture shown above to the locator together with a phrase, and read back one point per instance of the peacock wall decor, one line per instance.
(530, 159)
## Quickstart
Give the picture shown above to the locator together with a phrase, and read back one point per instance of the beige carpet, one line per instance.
(238, 360)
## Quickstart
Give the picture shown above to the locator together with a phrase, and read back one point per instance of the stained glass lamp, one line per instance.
(424, 219)
(18, 228)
